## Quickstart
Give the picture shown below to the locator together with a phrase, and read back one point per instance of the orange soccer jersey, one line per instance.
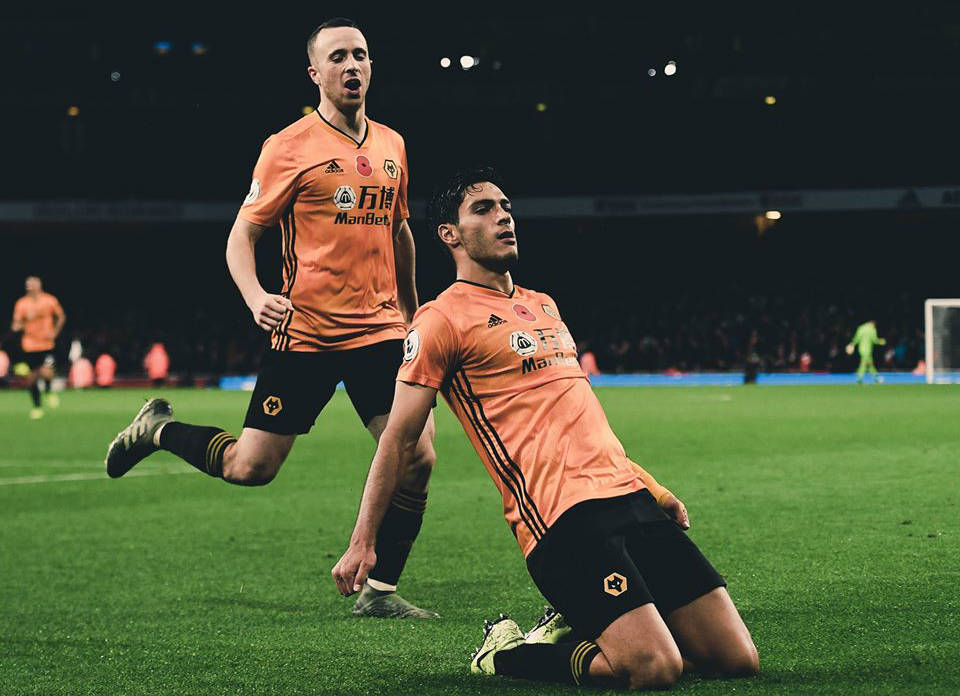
(336, 201)
(507, 366)
(37, 315)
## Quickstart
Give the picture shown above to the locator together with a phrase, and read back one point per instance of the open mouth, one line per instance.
(507, 236)
(353, 84)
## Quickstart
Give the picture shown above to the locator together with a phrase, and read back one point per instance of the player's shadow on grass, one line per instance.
(900, 671)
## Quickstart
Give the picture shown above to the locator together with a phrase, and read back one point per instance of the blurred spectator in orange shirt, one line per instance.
(588, 363)
(105, 369)
(4, 367)
(157, 363)
(81, 374)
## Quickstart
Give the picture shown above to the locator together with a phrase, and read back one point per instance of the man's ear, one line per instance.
(448, 235)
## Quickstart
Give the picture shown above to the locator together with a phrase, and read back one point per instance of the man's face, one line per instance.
(486, 227)
(340, 65)
(32, 285)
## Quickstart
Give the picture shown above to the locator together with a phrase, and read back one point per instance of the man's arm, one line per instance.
(59, 319)
(670, 503)
(404, 257)
(18, 318)
(411, 407)
(854, 341)
(268, 310)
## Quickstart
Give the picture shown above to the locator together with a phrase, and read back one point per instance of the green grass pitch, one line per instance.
(832, 511)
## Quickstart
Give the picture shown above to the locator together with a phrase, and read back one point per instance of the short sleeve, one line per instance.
(431, 350)
(403, 207)
(274, 184)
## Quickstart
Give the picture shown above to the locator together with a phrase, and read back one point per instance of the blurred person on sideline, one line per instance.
(864, 340)
(105, 370)
(40, 317)
(157, 364)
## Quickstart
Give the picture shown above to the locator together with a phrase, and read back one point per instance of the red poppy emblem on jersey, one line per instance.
(524, 313)
(363, 165)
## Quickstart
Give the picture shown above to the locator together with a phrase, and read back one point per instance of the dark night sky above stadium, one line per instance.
(561, 100)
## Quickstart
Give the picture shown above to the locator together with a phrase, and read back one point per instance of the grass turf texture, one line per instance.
(832, 511)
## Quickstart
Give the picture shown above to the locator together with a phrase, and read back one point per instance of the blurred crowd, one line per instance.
(689, 333)
(779, 333)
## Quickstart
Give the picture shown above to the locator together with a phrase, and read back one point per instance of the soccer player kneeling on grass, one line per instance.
(604, 541)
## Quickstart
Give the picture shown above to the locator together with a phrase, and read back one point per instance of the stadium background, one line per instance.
(174, 108)
(832, 511)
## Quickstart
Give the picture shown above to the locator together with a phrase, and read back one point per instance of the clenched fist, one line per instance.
(269, 310)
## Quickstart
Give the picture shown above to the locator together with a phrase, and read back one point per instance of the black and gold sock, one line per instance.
(568, 663)
(200, 446)
(35, 394)
(400, 527)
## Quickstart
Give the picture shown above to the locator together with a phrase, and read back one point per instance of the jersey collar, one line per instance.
(358, 143)
(487, 287)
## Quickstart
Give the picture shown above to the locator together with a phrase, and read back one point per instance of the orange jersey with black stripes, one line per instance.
(507, 366)
(37, 316)
(336, 201)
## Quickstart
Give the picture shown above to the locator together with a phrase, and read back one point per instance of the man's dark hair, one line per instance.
(329, 24)
(444, 204)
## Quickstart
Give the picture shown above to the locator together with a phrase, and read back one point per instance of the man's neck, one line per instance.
(350, 122)
(476, 273)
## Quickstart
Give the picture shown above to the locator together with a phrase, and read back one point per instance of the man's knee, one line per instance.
(651, 670)
(251, 470)
(740, 662)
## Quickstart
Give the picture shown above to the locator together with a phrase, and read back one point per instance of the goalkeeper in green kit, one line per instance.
(865, 339)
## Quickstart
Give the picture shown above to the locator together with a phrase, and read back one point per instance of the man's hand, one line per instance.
(672, 506)
(351, 570)
(269, 310)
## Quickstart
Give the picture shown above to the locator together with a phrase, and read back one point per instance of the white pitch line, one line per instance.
(67, 463)
(102, 476)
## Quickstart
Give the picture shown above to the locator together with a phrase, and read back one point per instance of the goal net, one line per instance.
(942, 330)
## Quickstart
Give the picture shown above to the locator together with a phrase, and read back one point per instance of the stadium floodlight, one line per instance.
(445, 62)
(73, 111)
(670, 68)
(769, 100)
(115, 76)
(162, 48)
(772, 215)
(467, 62)
(651, 72)
(942, 332)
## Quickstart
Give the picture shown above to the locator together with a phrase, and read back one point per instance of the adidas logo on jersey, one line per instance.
(495, 321)
(333, 168)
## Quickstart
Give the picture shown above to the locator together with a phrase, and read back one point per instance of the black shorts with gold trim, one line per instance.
(36, 359)
(294, 386)
(606, 557)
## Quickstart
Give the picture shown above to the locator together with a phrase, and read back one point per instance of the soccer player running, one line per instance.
(39, 315)
(865, 339)
(603, 540)
(336, 182)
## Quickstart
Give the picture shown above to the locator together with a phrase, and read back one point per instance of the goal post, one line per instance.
(941, 323)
